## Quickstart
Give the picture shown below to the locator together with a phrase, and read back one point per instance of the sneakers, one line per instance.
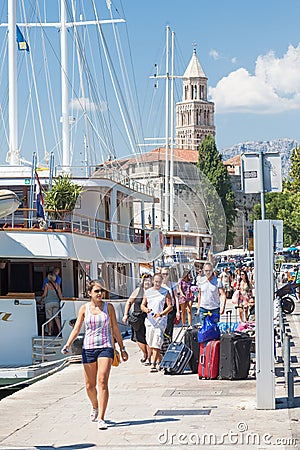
(94, 414)
(102, 425)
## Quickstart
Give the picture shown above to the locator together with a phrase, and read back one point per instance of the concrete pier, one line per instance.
(152, 411)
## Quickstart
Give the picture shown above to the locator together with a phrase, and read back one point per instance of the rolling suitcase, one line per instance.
(191, 340)
(208, 367)
(228, 326)
(176, 357)
(234, 356)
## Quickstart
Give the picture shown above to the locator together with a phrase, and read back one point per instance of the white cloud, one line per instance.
(85, 103)
(214, 54)
(274, 87)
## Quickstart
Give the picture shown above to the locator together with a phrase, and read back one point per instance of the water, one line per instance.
(6, 392)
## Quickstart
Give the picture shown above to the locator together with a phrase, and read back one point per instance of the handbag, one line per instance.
(136, 319)
(117, 357)
(176, 320)
(236, 297)
(210, 329)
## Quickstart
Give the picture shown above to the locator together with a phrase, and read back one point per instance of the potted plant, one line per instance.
(61, 199)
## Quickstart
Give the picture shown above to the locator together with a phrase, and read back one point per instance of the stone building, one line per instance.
(194, 121)
(194, 114)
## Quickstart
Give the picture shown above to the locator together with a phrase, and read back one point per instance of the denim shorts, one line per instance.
(91, 355)
(204, 311)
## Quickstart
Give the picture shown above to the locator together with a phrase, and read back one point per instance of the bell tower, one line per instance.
(194, 114)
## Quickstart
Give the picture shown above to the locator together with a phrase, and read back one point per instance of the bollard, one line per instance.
(281, 323)
(288, 373)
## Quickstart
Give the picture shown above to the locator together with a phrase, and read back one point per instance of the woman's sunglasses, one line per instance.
(99, 291)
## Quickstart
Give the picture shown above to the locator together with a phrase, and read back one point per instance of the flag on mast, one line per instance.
(39, 198)
(22, 43)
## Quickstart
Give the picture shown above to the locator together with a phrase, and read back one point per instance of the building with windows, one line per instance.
(194, 114)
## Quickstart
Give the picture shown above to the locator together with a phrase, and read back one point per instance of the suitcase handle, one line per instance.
(201, 359)
(184, 329)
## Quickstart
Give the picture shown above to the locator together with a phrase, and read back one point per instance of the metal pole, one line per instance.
(13, 154)
(262, 185)
(172, 138)
(167, 199)
(288, 373)
(64, 88)
(31, 193)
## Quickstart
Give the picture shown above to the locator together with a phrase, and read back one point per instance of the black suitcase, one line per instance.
(176, 357)
(234, 356)
(191, 340)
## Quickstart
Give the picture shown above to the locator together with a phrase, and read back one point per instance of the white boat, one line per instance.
(9, 202)
(99, 238)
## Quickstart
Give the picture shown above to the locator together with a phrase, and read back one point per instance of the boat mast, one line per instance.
(172, 137)
(13, 157)
(66, 162)
(167, 199)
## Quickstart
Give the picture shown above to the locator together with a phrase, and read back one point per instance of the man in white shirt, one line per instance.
(210, 295)
(157, 304)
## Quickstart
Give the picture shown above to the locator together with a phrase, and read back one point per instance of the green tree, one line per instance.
(210, 164)
(285, 205)
(62, 197)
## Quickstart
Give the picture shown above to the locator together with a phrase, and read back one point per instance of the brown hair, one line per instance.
(92, 283)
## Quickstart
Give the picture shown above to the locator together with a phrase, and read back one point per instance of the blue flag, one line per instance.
(22, 43)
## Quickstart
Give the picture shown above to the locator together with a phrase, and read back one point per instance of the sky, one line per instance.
(249, 51)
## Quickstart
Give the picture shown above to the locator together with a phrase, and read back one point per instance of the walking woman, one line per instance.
(99, 320)
(52, 297)
(138, 332)
(245, 289)
(186, 297)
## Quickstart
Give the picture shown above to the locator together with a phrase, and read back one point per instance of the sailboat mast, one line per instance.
(172, 137)
(64, 88)
(13, 153)
(167, 199)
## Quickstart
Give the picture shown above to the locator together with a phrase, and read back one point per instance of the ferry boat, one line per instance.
(105, 235)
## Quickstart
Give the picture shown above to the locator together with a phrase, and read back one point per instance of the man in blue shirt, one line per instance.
(56, 271)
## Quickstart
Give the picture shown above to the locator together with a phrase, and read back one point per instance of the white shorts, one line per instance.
(154, 336)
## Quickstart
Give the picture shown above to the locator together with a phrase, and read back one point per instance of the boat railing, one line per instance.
(106, 172)
(43, 331)
(75, 223)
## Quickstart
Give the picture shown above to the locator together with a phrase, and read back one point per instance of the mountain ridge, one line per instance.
(283, 146)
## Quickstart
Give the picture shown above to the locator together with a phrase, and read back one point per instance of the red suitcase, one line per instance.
(209, 360)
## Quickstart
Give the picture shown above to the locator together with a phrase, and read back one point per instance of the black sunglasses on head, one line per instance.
(99, 291)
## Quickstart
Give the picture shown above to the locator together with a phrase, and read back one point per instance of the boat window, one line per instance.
(20, 278)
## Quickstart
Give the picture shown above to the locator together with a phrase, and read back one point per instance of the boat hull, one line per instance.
(9, 202)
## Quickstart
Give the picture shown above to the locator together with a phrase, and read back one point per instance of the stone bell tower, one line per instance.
(194, 114)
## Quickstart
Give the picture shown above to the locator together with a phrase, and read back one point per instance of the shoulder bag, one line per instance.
(117, 358)
(136, 318)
